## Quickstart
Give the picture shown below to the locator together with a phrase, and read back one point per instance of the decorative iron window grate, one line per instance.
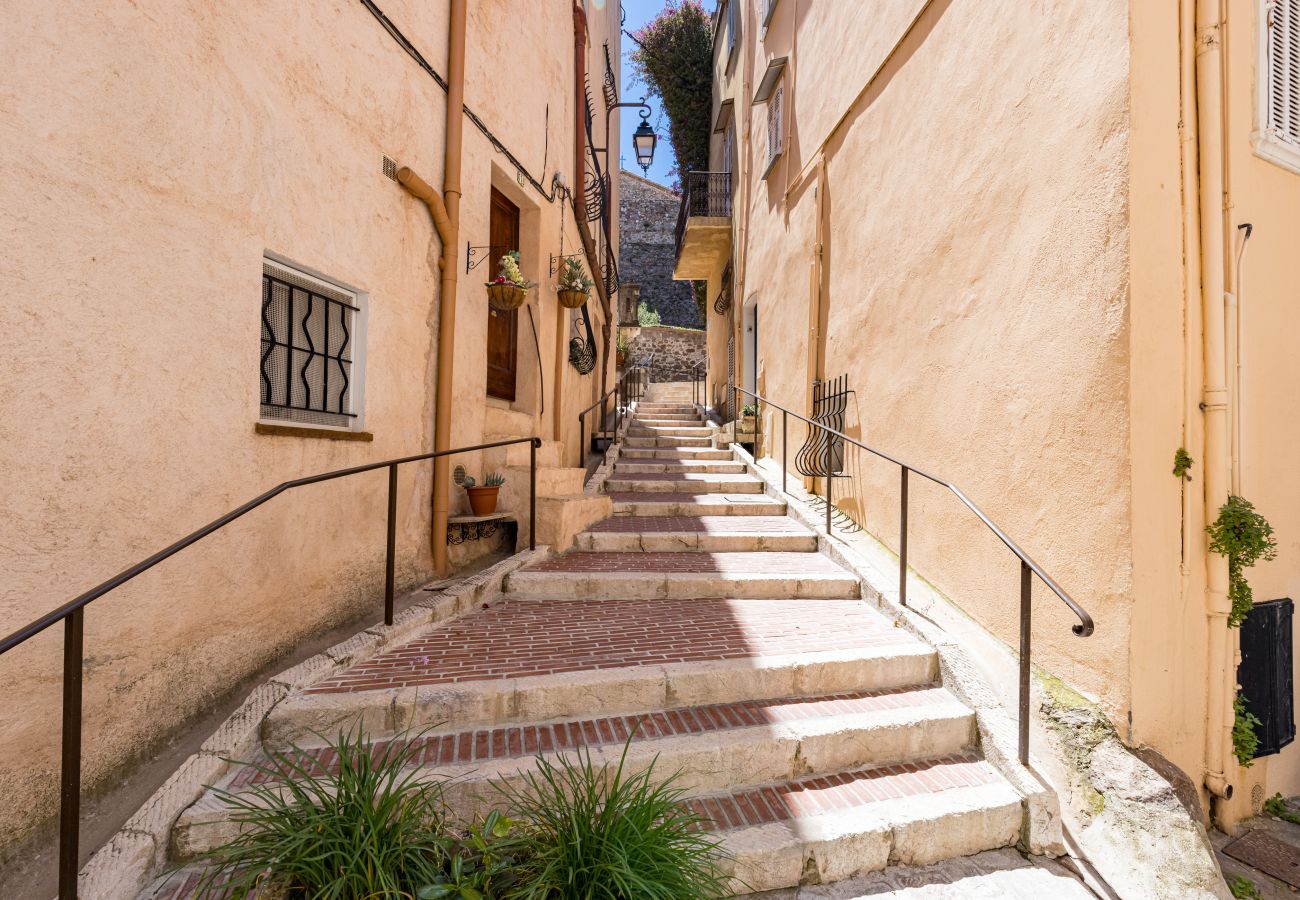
(309, 332)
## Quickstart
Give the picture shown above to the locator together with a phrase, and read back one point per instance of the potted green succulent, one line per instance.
(483, 498)
(574, 284)
(509, 289)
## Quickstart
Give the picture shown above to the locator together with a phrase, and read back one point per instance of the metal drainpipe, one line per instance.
(443, 391)
(1221, 676)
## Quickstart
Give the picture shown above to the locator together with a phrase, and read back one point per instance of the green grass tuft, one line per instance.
(593, 834)
(370, 831)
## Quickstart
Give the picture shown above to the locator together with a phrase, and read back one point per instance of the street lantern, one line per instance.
(643, 141)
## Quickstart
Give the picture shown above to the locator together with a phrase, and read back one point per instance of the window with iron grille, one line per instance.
(311, 338)
(775, 126)
(1277, 137)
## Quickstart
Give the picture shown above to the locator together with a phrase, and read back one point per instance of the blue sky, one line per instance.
(638, 13)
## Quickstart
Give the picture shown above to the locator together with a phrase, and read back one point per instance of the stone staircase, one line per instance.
(814, 736)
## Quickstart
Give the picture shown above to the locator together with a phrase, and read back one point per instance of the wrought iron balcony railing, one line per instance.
(704, 194)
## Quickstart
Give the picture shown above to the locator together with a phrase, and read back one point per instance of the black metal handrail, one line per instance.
(625, 390)
(72, 614)
(698, 389)
(703, 194)
(1028, 568)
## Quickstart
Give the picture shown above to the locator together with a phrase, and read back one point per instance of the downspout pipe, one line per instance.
(1221, 675)
(445, 210)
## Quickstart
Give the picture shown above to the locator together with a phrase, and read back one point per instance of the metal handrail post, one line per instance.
(902, 539)
(1026, 630)
(390, 545)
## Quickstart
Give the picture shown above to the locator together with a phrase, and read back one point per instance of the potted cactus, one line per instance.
(509, 289)
(483, 497)
(574, 284)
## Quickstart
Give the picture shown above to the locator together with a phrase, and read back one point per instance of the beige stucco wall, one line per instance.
(975, 288)
(1267, 196)
(153, 153)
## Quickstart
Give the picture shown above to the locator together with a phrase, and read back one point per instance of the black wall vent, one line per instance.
(1265, 673)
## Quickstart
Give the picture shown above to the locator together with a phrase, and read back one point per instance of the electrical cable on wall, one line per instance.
(405, 44)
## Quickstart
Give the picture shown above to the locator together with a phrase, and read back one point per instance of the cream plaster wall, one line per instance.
(1267, 196)
(974, 287)
(153, 153)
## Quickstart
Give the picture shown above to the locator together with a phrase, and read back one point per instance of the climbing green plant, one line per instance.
(1182, 462)
(1245, 537)
(1244, 739)
(674, 59)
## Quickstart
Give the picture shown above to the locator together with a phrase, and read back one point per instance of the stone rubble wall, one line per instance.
(675, 351)
(647, 253)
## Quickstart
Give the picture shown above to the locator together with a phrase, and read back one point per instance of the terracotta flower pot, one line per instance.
(572, 299)
(620, 357)
(506, 296)
(483, 500)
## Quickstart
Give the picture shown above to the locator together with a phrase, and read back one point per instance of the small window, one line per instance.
(769, 7)
(733, 28)
(1278, 135)
(728, 148)
(311, 340)
(775, 126)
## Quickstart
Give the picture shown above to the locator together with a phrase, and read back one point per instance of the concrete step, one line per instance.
(685, 483)
(681, 408)
(667, 442)
(679, 453)
(669, 575)
(639, 430)
(709, 534)
(536, 660)
(828, 829)
(635, 503)
(668, 419)
(649, 467)
(713, 748)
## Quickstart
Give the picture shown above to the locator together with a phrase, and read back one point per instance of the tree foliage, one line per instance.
(674, 58)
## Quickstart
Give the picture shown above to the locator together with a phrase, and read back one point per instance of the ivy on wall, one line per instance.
(1245, 537)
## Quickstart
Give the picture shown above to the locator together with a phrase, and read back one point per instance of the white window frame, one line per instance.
(357, 382)
(775, 126)
(1266, 141)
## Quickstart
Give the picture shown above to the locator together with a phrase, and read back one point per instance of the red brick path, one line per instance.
(514, 742)
(814, 796)
(700, 525)
(518, 638)
(758, 563)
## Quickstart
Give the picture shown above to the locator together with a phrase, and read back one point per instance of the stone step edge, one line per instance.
(650, 505)
(682, 585)
(693, 542)
(842, 844)
(998, 728)
(709, 761)
(627, 690)
(135, 856)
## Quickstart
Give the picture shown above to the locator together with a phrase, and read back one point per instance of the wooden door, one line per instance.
(503, 327)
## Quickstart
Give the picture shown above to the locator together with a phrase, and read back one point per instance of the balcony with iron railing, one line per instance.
(703, 234)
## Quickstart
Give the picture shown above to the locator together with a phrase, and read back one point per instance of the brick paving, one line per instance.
(699, 525)
(516, 742)
(846, 790)
(519, 638)
(782, 563)
(675, 497)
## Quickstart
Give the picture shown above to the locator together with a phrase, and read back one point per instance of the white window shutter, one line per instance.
(774, 113)
(1284, 70)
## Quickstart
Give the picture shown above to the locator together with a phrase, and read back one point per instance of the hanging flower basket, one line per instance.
(572, 299)
(509, 289)
(505, 296)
